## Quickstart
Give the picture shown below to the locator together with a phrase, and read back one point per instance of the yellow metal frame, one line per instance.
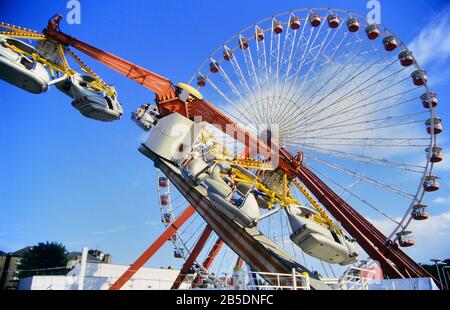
(22, 33)
(286, 199)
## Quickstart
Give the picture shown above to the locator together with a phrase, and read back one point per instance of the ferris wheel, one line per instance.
(347, 95)
(345, 102)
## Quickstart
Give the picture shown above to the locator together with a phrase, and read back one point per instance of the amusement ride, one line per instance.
(321, 124)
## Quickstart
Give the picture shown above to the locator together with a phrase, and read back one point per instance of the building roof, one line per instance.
(21, 252)
(90, 257)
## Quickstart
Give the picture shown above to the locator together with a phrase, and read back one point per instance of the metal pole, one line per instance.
(84, 255)
(437, 268)
(294, 280)
(445, 277)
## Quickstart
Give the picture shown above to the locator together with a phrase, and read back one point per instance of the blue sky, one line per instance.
(70, 179)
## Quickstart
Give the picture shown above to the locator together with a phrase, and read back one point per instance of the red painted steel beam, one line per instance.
(209, 260)
(394, 262)
(192, 257)
(160, 85)
(162, 239)
(239, 262)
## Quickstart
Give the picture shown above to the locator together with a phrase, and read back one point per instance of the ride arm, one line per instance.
(161, 86)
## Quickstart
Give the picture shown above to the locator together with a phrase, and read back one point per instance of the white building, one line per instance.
(100, 276)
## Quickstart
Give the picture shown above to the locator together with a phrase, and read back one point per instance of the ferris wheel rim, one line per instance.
(406, 219)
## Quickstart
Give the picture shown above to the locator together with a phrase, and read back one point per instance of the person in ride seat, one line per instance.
(229, 178)
(237, 199)
(258, 193)
(141, 111)
(146, 116)
(194, 154)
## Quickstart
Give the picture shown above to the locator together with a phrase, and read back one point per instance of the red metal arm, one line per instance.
(160, 85)
(209, 260)
(153, 248)
(192, 257)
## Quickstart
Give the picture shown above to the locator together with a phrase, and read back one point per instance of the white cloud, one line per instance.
(78, 243)
(136, 183)
(443, 166)
(442, 200)
(110, 231)
(433, 42)
(431, 237)
(152, 223)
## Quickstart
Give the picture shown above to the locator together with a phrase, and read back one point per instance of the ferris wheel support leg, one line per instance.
(192, 257)
(209, 260)
(162, 239)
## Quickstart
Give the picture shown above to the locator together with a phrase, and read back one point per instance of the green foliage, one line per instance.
(49, 258)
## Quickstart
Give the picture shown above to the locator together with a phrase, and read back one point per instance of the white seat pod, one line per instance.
(317, 240)
(196, 171)
(246, 213)
(21, 70)
(147, 121)
(92, 102)
(173, 137)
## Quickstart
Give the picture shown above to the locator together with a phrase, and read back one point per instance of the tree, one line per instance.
(49, 258)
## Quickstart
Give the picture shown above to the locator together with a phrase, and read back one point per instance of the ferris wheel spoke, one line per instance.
(336, 74)
(264, 72)
(352, 194)
(322, 70)
(383, 79)
(233, 105)
(293, 48)
(262, 59)
(360, 145)
(366, 159)
(375, 128)
(363, 178)
(190, 224)
(355, 107)
(285, 63)
(340, 85)
(250, 65)
(246, 102)
(333, 75)
(378, 121)
(307, 51)
(362, 141)
(311, 115)
(327, 61)
(274, 65)
(346, 123)
(319, 53)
